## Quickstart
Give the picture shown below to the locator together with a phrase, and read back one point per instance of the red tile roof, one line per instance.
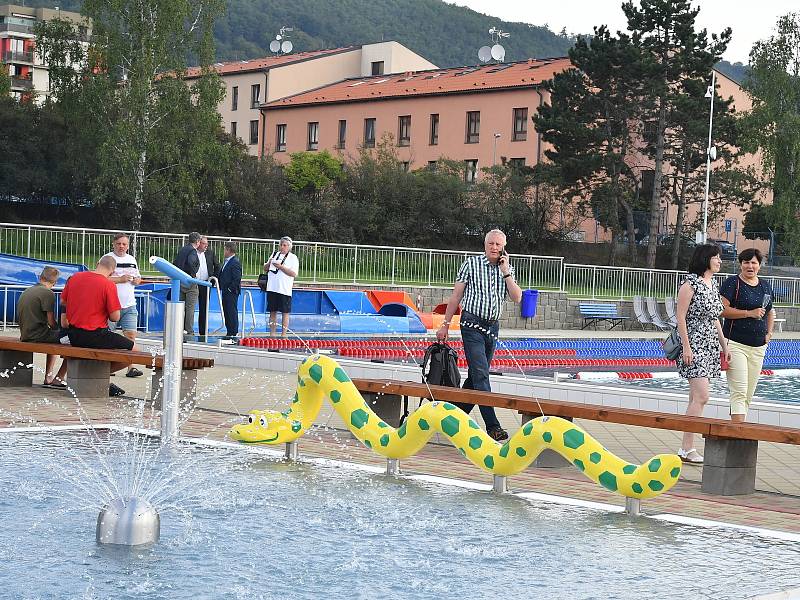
(268, 62)
(530, 73)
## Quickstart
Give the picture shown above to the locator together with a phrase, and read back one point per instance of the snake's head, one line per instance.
(265, 427)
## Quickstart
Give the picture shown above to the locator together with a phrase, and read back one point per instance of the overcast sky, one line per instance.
(750, 21)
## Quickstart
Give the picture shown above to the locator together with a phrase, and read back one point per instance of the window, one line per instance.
(235, 97)
(253, 132)
(313, 135)
(406, 165)
(473, 126)
(516, 163)
(520, 125)
(648, 181)
(377, 68)
(404, 131)
(650, 132)
(434, 137)
(369, 133)
(255, 95)
(233, 129)
(280, 138)
(342, 140)
(432, 165)
(471, 170)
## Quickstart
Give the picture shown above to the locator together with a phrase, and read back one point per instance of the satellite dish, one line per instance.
(498, 52)
(286, 46)
(275, 46)
(485, 54)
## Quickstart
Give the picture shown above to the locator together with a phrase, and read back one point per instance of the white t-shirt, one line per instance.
(126, 265)
(202, 272)
(280, 282)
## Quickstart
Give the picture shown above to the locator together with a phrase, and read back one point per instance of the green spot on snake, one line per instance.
(359, 418)
(340, 375)
(504, 450)
(629, 469)
(315, 373)
(595, 457)
(336, 395)
(448, 406)
(608, 481)
(385, 440)
(489, 462)
(637, 488)
(475, 442)
(401, 432)
(574, 439)
(296, 426)
(382, 425)
(655, 485)
(520, 451)
(547, 437)
(578, 463)
(473, 424)
(528, 428)
(450, 425)
(675, 472)
(423, 424)
(654, 465)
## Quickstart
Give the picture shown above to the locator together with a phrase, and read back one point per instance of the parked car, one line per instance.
(728, 249)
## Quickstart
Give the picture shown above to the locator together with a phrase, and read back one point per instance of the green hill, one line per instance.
(445, 34)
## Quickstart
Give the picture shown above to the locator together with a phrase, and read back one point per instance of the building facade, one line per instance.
(478, 115)
(251, 83)
(29, 75)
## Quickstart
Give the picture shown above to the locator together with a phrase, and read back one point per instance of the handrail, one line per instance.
(248, 295)
(214, 286)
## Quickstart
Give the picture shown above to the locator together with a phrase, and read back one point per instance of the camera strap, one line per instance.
(276, 255)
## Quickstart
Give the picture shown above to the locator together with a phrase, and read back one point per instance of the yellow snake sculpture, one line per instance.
(320, 376)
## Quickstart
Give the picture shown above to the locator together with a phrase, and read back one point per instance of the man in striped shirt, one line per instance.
(482, 285)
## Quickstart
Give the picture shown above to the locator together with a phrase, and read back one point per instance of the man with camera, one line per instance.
(281, 268)
(482, 285)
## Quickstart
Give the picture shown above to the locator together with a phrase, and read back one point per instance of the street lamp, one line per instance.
(711, 152)
(494, 151)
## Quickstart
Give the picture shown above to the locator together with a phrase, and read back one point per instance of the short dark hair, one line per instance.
(750, 254)
(231, 246)
(194, 237)
(701, 258)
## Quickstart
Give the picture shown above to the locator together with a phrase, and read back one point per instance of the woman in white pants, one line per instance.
(749, 319)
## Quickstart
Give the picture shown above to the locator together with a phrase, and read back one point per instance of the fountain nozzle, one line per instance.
(131, 522)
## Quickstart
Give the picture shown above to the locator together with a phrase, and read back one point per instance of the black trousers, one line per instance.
(229, 302)
(202, 303)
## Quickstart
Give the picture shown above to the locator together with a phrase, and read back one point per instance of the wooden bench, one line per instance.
(731, 449)
(596, 312)
(88, 369)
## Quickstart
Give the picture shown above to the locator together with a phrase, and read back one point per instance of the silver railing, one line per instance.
(365, 264)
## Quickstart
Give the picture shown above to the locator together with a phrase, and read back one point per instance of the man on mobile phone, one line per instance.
(482, 285)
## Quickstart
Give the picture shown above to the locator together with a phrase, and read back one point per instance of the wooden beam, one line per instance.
(609, 414)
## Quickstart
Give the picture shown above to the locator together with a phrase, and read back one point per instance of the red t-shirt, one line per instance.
(90, 299)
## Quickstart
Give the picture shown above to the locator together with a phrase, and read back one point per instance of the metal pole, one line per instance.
(633, 507)
(393, 466)
(173, 366)
(291, 451)
(708, 155)
(500, 484)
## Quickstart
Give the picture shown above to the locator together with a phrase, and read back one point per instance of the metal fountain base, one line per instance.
(131, 522)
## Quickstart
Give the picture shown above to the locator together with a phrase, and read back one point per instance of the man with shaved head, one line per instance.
(89, 301)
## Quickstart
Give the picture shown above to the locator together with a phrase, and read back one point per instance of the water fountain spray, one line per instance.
(134, 521)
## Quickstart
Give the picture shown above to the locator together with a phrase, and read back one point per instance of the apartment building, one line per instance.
(29, 75)
(251, 83)
(480, 115)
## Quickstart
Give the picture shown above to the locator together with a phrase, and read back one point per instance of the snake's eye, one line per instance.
(250, 419)
(263, 421)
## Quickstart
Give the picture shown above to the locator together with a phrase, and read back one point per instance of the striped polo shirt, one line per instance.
(485, 289)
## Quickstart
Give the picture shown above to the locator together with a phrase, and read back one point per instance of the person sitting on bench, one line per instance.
(35, 310)
(89, 301)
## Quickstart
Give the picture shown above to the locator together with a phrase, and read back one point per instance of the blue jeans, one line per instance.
(479, 337)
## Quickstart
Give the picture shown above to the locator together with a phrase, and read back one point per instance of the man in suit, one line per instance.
(188, 262)
(230, 283)
(209, 267)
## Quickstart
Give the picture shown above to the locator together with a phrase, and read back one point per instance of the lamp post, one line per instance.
(711, 152)
(494, 151)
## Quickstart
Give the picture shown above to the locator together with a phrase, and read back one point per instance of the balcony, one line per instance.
(25, 83)
(16, 27)
(18, 57)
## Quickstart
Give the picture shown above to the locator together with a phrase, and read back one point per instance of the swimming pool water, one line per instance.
(278, 530)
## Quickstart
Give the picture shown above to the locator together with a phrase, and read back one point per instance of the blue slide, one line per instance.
(18, 270)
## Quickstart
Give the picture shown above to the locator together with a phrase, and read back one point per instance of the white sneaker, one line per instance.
(692, 456)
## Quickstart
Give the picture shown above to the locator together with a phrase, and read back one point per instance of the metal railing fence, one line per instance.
(365, 264)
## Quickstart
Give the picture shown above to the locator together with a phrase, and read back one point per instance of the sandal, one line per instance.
(693, 457)
(55, 385)
(497, 433)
